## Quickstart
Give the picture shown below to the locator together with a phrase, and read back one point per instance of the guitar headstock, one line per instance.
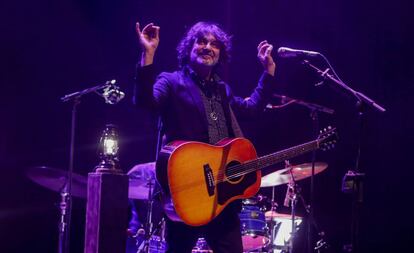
(327, 138)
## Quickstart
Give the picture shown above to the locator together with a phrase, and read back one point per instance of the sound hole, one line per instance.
(232, 173)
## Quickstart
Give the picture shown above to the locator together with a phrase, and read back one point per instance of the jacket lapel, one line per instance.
(194, 94)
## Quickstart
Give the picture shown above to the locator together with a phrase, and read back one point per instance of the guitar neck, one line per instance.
(271, 159)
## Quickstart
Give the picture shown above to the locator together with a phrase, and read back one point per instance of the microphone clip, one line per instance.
(111, 93)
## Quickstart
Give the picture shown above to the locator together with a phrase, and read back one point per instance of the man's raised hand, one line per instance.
(264, 53)
(149, 38)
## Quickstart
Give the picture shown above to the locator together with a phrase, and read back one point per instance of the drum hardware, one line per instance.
(289, 176)
(291, 195)
(149, 183)
(152, 242)
(321, 245)
(142, 186)
(68, 184)
(282, 229)
(201, 246)
(273, 226)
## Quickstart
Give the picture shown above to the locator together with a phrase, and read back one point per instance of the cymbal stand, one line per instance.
(294, 194)
(65, 204)
(291, 195)
(148, 223)
(273, 206)
(321, 244)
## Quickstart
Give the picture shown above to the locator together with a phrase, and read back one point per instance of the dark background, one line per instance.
(51, 48)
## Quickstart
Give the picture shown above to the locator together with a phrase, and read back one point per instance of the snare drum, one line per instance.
(253, 226)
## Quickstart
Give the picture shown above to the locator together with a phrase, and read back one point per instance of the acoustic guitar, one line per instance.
(199, 180)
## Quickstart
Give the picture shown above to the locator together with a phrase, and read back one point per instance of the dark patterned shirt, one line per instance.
(213, 106)
(217, 126)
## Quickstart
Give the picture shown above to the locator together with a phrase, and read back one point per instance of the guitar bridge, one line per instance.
(209, 178)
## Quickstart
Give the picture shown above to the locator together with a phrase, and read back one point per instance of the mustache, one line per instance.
(206, 52)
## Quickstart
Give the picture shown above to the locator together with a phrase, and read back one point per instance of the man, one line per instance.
(196, 105)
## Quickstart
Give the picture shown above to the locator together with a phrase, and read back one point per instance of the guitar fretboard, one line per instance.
(271, 159)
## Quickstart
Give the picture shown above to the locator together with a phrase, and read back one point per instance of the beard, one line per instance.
(206, 60)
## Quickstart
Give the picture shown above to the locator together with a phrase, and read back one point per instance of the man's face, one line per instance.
(205, 51)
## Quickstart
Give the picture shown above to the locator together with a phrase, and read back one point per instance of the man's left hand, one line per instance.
(264, 53)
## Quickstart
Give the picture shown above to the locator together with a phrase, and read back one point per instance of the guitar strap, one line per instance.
(235, 124)
(159, 137)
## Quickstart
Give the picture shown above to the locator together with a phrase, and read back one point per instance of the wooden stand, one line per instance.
(106, 213)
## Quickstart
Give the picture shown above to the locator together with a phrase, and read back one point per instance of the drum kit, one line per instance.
(262, 228)
(265, 230)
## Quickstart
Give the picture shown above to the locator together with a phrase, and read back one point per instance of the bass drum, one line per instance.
(282, 229)
(253, 226)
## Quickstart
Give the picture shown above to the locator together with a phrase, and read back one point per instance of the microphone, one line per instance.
(111, 93)
(286, 52)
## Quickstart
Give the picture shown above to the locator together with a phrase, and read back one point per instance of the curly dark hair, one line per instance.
(197, 31)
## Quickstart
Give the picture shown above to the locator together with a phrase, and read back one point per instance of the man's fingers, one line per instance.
(157, 32)
(261, 44)
(147, 27)
(151, 31)
(268, 51)
(137, 28)
(262, 49)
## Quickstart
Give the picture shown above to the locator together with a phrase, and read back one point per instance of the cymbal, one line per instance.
(299, 172)
(55, 179)
(141, 177)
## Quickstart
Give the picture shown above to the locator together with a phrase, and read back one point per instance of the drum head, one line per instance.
(254, 242)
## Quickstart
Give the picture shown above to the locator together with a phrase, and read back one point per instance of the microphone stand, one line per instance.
(65, 204)
(311, 106)
(358, 95)
(357, 177)
(314, 108)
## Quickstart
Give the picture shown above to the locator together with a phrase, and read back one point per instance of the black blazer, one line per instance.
(177, 98)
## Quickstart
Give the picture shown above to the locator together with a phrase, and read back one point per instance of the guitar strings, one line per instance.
(264, 161)
(251, 166)
(238, 170)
